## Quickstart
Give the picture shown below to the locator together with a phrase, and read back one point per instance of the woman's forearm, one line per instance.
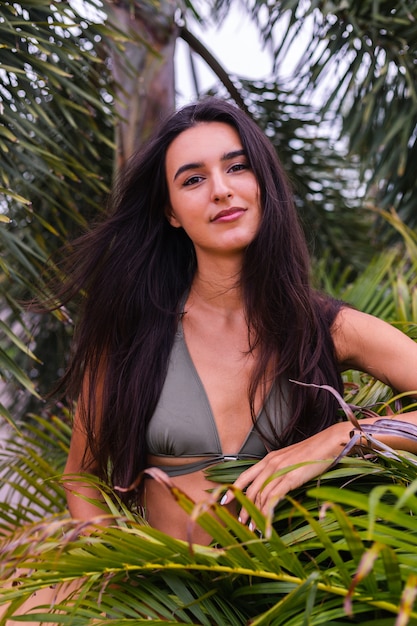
(84, 501)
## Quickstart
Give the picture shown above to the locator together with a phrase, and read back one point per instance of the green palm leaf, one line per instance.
(131, 572)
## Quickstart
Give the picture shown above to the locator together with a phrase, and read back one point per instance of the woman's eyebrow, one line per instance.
(227, 156)
(187, 166)
(232, 155)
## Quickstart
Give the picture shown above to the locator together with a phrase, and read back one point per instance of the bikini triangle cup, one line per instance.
(183, 424)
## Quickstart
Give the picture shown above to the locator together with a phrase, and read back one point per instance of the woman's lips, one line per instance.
(228, 215)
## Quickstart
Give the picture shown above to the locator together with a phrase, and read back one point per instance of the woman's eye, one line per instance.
(193, 180)
(236, 167)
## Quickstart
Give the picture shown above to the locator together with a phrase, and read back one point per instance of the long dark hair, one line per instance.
(133, 269)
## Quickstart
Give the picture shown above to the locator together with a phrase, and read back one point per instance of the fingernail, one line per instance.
(239, 519)
(251, 526)
(224, 499)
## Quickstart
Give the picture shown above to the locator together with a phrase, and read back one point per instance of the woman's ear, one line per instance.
(171, 217)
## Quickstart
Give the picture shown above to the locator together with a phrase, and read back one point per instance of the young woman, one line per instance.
(197, 315)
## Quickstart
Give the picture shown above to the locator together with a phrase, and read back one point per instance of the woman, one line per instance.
(198, 314)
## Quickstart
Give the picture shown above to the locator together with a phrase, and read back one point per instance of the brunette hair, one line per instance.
(134, 269)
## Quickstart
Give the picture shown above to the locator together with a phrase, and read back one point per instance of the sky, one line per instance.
(236, 45)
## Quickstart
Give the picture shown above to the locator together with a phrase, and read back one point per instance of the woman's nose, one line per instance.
(221, 189)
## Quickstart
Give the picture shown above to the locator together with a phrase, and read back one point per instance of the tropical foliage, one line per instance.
(57, 148)
(358, 62)
(341, 551)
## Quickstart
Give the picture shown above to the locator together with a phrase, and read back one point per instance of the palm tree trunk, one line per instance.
(143, 70)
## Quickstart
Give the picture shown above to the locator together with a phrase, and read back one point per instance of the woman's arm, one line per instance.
(362, 342)
(80, 460)
(368, 344)
(76, 489)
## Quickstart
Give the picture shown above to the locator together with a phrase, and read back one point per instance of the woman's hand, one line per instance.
(318, 451)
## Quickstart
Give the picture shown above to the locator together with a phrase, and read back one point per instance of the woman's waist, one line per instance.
(187, 464)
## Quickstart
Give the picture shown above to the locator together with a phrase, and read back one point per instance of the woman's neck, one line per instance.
(217, 286)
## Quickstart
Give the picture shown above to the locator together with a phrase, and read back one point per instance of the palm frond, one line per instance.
(311, 562)
(57, 148)
(357, 61)
(344, 544)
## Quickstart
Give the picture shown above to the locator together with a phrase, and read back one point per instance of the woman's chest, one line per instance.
(223, 362)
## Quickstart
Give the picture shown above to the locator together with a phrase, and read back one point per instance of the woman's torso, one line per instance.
(203, 414)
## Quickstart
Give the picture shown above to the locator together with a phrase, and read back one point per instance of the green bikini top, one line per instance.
(183, 423)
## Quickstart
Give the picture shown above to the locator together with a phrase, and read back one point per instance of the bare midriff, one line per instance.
(164, 513)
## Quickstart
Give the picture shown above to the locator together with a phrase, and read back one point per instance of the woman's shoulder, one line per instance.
(350, 331)
(369, 344)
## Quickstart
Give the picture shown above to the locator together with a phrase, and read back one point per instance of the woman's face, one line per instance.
(213, 193)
